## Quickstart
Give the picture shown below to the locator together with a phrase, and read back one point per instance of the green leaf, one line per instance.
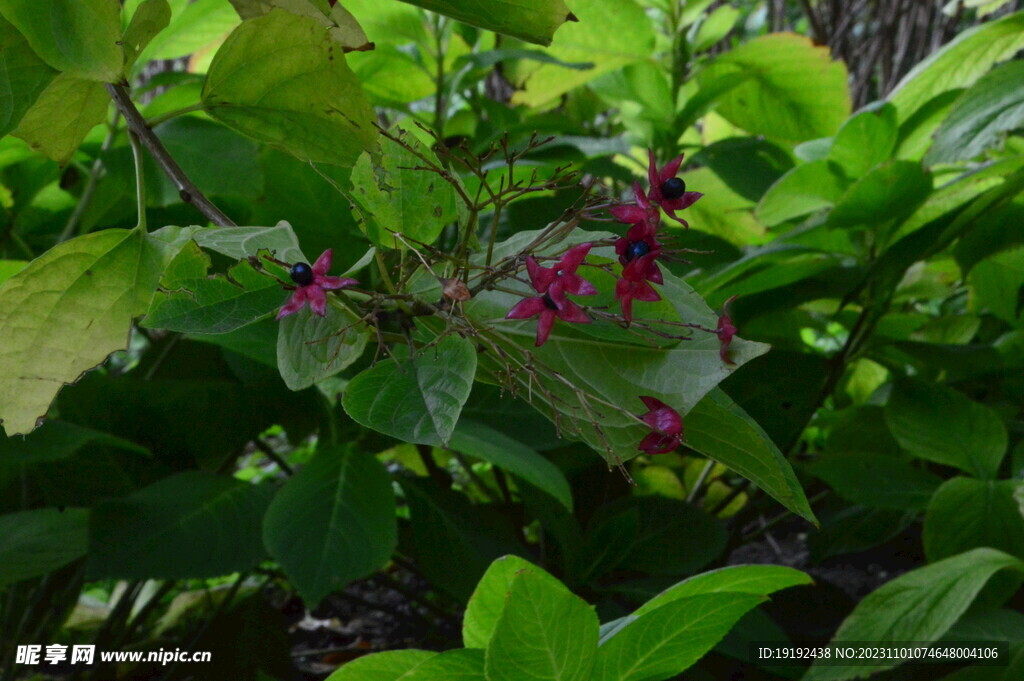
(391, 76)
(485, 443)
(311, 348)
(62, 116)
(959, 63)
(455, 541)
(451, 665)
(981, 116)
(534, 21)
(887, 194)
(804, 189)
(216, 158)
(671, 638)
(415, 399)
(720, 430)
(795, 92)
(865, 141)
(545, 633)
(333, 522)
(192, 525)
(216, 304)
(151, 17)
(195, 26)
(748, 165)
(590, 41)
(78, 37)
(759, 580)
(305, 100)
(25, 76)
(490, 598)
(342, 25)
(967, 513)
(670, 538)
(939, 424)
(995, 284)
(715, 27)
(393, 665)
(40, 541)
(852, 529)
(239, 243)
(920, 605)
(877, 480)
(70, 308)
(390, 196)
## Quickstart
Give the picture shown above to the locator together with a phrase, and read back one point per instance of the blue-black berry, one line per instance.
(549, 302)
(673, 188)
(636, 249)
(301, 273)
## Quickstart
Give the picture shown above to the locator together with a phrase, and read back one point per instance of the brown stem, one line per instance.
(188, 191)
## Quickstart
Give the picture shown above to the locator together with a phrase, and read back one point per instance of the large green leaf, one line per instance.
(33, 543)
(391, 196)
(534, 21)
(415, 399)
(670, 638)
(865, 141)
(70, 308)
(333, 522)
(545, 633)
(886, 194)
(967, 513)
(722, 431)
(451, 665)
(78, 37)
(589, 40)
(241, 242)
(759, 580)
(995, 284)
(282, 80)
(342, 25)
(24, 76)
(918, 606)
(939, 424)
(393, 665)
(216, 304)
(804, 189)
(188, 526)
(149, 18)
(455, 541)
(877, 480)
(490, 598)
(62, 116)
(195, 26)
(795, 92)
(987, 110)
(959, 63)
(490, 445)
(311, 348)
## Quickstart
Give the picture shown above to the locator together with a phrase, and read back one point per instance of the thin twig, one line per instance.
(188, 191)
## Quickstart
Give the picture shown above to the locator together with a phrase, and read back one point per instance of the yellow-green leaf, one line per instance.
(282, 79)
(63, 115)
(70, 308)
(80, 37)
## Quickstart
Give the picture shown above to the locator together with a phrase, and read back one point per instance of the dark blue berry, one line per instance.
(636, 249)
(301, 273)
(673, 188)
(549, 302)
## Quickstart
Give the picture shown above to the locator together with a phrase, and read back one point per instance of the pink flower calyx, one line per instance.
(666, 425)
(312, 284)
